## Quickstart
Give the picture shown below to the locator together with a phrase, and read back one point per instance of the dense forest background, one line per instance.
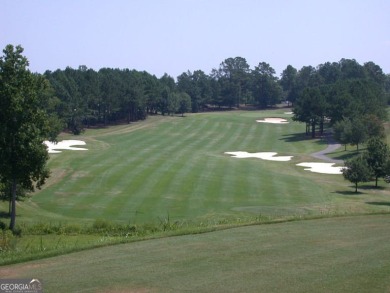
(333, 91)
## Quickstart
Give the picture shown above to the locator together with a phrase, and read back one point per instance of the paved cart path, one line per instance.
(332, 146)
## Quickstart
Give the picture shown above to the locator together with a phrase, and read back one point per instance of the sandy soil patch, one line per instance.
(54, 148)
(324, 168)
(273, 121)
(270, 156)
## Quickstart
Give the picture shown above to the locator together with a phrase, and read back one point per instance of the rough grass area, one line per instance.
(327, 255)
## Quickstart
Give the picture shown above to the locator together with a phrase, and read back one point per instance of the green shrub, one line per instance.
(70, 229)
(17, 231)
(3, 226)
(101, 225)
(7, 240)
(41, 228)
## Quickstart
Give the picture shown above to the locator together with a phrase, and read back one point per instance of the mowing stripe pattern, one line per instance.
(178, 168)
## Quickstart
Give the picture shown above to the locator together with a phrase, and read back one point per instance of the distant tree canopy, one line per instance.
(339, 91)
(334, 91)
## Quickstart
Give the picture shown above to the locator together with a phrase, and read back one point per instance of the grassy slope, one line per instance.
(177, 167)
(328, 255)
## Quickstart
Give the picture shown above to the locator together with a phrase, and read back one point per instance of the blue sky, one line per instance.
(174, 36)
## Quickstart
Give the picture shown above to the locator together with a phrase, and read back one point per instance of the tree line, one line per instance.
(331, 91)
(340, 92)
(86, 97)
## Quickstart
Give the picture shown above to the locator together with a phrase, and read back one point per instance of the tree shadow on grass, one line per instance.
(343, 155)
(360, 191)
(4, 215)
(371, 187)
(349, 192)
(301, 136)
(379, 203)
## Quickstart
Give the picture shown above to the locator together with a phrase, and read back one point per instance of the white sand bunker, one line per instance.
(325, 168)
(270, 156)
(273, 120)
(64, 145)
(288, 113)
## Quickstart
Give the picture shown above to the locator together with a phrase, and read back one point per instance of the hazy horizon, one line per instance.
(175, 36)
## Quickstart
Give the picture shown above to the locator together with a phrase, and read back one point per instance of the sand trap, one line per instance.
(270, 156)
(288, 113)
(325, 168)
(273, 120)
(64, 145)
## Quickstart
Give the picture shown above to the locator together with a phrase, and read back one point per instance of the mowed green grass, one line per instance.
(349, 254)
(176, 167)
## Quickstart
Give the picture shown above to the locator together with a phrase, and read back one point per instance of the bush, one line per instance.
(3, 226)
(101, 225)
(17, 232)
(70, 229)
(7, 240)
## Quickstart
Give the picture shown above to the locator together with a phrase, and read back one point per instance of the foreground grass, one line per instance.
(348, 254)
(44, 240)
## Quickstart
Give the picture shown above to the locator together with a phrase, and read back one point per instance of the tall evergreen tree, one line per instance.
(289, 83)
(24, 125)
(266, 89)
